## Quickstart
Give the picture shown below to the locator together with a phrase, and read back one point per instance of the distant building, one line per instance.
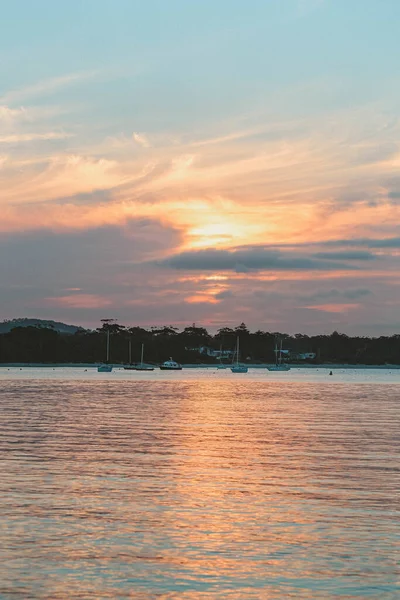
(216, 353)
(207, 351)
(303, 356)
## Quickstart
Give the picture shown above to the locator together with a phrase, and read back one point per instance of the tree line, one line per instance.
(36, 344)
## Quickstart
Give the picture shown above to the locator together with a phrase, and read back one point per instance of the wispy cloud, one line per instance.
(273, 183)
(47, 86)
(79, 301)
(20, 138)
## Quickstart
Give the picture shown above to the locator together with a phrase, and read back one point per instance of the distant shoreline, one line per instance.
(330, 366)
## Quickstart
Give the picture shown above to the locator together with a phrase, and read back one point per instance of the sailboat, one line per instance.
(106, 367)
(142, 366)
(130, 366)
(221, 364)
(237, 368)
(279, 365)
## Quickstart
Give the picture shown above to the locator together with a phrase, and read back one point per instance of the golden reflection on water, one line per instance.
(201, 489)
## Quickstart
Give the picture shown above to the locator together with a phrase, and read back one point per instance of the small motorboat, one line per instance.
(239, 369)
(170, 365)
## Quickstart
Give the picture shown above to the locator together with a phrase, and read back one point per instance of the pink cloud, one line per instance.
(79, 301)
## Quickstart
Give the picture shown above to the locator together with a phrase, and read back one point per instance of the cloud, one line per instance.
(242, 261)
(74, 273)
(346, 255)
(224, 295)
(335, 294)
(70, 275)
(141, 139)
(389, 242)
(78, 301)
(56, 177)
(9, 115)
(376, 153)
(235, 188)
(334, 308)
(47, 86)
(20, 138)
(394, 195)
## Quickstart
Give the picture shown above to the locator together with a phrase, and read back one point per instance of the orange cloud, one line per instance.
(200, 298)
(227, 189)
(334, 308)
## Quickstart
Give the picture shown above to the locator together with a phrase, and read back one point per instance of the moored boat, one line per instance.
(279, 365)
(142, 366)
(237, 367)
(170, 365)
(106, 367)
(130, 366)
(221, 365)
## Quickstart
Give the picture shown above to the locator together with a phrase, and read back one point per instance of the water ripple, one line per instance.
(199, 489)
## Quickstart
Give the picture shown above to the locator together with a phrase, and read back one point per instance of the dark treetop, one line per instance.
(50, 343)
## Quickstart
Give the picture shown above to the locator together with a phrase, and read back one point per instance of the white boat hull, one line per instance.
(170, 365)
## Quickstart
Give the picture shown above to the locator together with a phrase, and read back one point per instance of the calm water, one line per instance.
(199, 485)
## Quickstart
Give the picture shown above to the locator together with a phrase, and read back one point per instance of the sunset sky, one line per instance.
(178, 161)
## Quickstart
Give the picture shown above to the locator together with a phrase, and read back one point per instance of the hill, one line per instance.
(7, 326)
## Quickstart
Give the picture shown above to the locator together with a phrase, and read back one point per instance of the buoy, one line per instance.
(330, 373)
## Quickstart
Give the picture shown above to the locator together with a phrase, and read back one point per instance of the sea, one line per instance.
(199, 484)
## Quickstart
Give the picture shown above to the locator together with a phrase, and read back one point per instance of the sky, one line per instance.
(214, 162)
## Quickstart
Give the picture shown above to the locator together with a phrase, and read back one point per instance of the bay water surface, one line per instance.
(199, 484)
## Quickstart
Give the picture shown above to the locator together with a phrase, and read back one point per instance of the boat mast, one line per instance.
(141, 359)
(108, 323)
(130, 352)
(237, 352)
